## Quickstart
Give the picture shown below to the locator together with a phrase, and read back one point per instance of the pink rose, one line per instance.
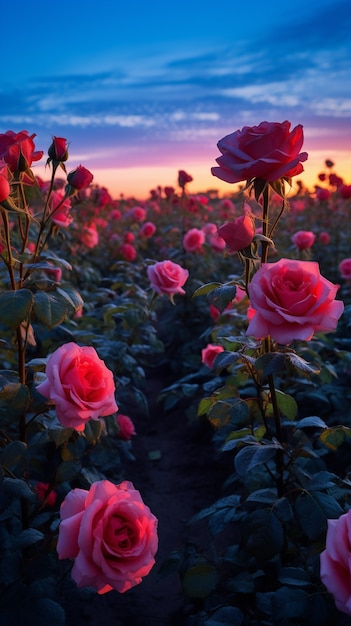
(335, 560)
(345, 191)
(322, 194)
(18, 150)
(292, 301)
(324, 237)
(111, 535)
(209, 354)
(268, 151)
(167, 278)
(79, 384)
(90, 236)
(303, 239)
(138, 213)
(147, 230)
(126, 427)
(193, 240)
(238, 234)
(80, 178)
(345, 268)
(60, 209)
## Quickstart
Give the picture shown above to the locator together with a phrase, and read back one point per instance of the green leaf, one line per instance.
(70, 296)
(289, 603)
(254, 454)
(13, 453)
(264, 534)
(28, 537)
(67, 470)
(312, 511)
(334, 437)
(225, 359)
(15, 307)
(222, 296)
(200, 580)
(287, 405)
(49, 310)
(205, 289)
(295, 576)
(19, 488)
(16, 396)
(225, 616)
(301, 364)
(222, 412)
(270, 363)
(313, 421)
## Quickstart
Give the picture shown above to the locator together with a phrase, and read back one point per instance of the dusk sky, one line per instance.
(143, 89)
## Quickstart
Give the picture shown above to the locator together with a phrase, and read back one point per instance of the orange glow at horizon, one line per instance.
(137, 182)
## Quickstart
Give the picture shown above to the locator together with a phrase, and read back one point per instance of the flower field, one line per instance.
(237, 310)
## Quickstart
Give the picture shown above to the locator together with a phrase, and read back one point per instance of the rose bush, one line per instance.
(167, 278)
(335, 560)
(79, 384)
(268, 151)
(292, 301)
(111, 535)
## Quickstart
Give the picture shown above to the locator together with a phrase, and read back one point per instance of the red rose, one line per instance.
(58, 150)
(126, 427)
(111, 535)
(147, 230)
(17, 149)
(183, 178)
(80, 178)
(238, 234)
(128, 252)
(5, 188)
(268, 151)
(291, 301)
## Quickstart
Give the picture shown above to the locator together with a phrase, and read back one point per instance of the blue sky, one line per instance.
(152, 86)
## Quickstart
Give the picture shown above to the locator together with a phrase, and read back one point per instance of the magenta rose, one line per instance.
(269, 151)
(167, 278)
(303, 239)
(209, 353)
(111, 535)
(58, 150)
(193, 240)
(238, 234)
(345, 268)
(291, 301)
(335, 561)
(126, 427)
(79, 384)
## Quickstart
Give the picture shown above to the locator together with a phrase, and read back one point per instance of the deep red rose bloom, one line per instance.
(58, 150)
(80, 178)
(183, 178)
(18, 150)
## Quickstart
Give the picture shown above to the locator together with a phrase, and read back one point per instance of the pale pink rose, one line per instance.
(292, 301)
(126, 427)
(335, 561)
(209, 354)
(147, 230)
(79, 384)
(303, 239)
(193, 240)
(90, 236)
(167, 278)
(111, 535)
(238, 234)
(268, 151)
(345, 268)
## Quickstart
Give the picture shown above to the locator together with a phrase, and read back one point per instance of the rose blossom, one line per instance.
(5, 188)
(58, 151)
(126, 427)
(183, 178)
(80, 178)
(324, 237)
(268, 151)
(209, 354)
(292, 301)
(345, 268)
(193, 240)
(167, 278)
(303, 239)
(322, 194)
(128, 252)
(147, 230)
(18, 150)
(60, 209)
(79, 384)
(335, 570)
(238, 234)
(111, 535)
(90, 236)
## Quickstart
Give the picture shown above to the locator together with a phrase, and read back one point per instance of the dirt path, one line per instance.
(182, 481)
